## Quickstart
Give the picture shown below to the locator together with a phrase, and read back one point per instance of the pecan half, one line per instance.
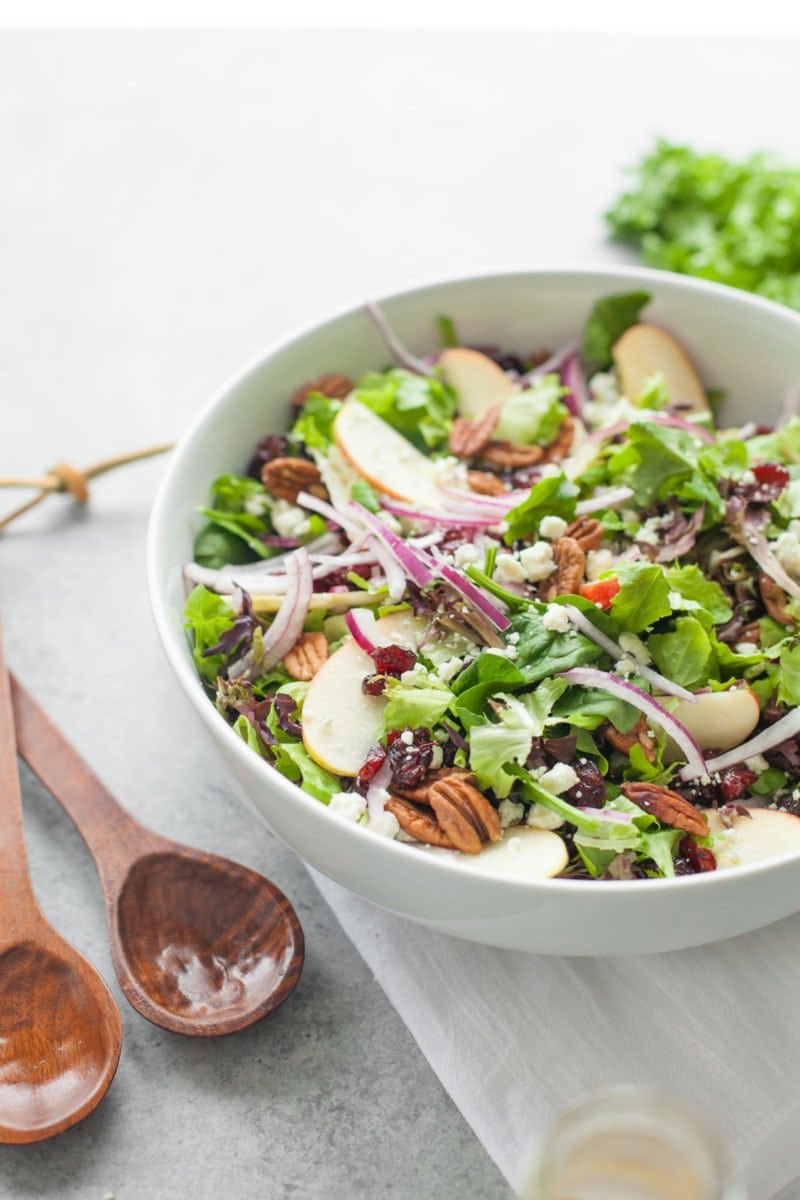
(307, 656)
(337, 387)
(511, 455)
(775, 599)
(667, 806)
(587, 532)
(468, 438)
(485, 484)
(567, 578)
(639, 734)
(562, 445)
(421, 794)
(464, 813)
(285, 478)
(419, 824)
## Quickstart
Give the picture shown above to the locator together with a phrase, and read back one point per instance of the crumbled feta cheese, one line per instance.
(747, 648)
(598, 562)
(349, 805)
(385, 824)
(794, 528)
(510, 813)
(757, 763)
(649, 532)
(549, 470)
(511, 651)
(449, 669)
(288, 520)
(603, 386)
(537, 561)
(552, 528)
(635, 647)
(417, 675)
(540, 817)
(555, 618)
(466, 554)
(407, 737)
(626, 666)
(256, 506)
(508, 570)
(513, 639)
(787, 551)
(747, 478)
(449, 470)
(560, 778)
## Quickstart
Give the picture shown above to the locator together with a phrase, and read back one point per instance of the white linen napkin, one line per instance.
(514, 1038)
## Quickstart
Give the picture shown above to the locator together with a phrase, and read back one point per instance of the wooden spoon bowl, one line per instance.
(204, 943)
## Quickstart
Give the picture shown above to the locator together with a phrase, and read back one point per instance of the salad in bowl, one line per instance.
(530, 608)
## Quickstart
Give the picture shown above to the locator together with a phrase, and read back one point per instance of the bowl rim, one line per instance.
(160, 517)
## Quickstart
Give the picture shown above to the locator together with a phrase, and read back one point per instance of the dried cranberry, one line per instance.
(274, 446)
(734, 782)
(771, 476)
(697, 858)
(373, 685)
(369, 769)
(456, 537)
(409, 762)
(590, 790)
(393, 660)
(525, 477)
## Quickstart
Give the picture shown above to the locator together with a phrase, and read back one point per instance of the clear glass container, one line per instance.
(632, 1143)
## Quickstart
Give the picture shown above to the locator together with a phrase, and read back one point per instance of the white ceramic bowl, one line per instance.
(747, 346)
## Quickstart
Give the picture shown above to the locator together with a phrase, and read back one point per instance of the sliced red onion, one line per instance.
(378, 790)
(411, 561)
(362, 626)
(395, 575)
(607, 500)
(615, 651)
(554, 363)
(589, 677)
(215, 581)
(572, 378)
(440, 518)
(767, 739)
(351, 527)
(660, 418)
(475, 596)
(758, 548)
(398, 350)
(427, 540)
(288, 622)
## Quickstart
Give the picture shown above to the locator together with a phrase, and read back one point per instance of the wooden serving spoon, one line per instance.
(60, 1029)
(201, 945)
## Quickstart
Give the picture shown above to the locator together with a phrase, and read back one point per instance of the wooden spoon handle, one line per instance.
(114, 838)
(16, 891)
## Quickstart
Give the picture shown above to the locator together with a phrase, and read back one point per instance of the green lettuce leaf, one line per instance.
(607, 322)
(411, 705)
(693, 585)
(418, 406)
(586, 708)
(552, 496)
(533, 415)
(230, 493)
(520, 719)
(542, 653)
(207, 616)
(789, 687)
(684, 654)
(643, 596)
(314, 426)
(363, 493)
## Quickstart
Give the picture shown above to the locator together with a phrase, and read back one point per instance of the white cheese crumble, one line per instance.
(598, 562)
(508, 570)
(385, 824)
(407, 737)
(635, 647)
(256, 506)
(466, 554)
(747, 648)
(288, 520)
(540, 817)
(449, 669)
(555, 619)
(537, 561)
(552, 528)
(510, 813)
(649, 532)
(560, 778)
(603, 386)
(756, 763)
(349, 805)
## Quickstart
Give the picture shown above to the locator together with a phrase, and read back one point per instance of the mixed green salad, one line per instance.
(535, 609)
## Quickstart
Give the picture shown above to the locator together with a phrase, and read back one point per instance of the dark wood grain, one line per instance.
(60, 1028)
(201, 945)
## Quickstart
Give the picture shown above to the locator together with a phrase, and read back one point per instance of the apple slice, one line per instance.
(340, 723)
(718, 720)
(476, 379)
(521, 853)
(766, 833)
(646, 350)
(383, 457)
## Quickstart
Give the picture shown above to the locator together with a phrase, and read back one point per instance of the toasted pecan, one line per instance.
(511, 455)
(775, 599)
(336, 387)
(468, 438)
(667, 806)
(485, 484)
(567, 578)
(464, 813)
(624, 742)
(285, 478)
(418, 823)
(421, 794)
(562, 445)
(587, 532)
(307, 656)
